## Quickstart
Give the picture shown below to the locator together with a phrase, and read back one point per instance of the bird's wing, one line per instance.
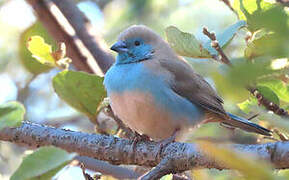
(192, 86)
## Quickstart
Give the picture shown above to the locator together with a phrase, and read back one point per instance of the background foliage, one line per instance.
(254, 37)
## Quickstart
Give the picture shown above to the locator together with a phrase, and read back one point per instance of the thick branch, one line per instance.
(75, 31)
(86, 33)
(121, 151)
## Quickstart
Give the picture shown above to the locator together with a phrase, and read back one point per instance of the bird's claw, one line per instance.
(139, 138)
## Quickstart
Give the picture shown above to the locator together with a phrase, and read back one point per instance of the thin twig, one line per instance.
(269, 105)
(215, 45)
(228, 4)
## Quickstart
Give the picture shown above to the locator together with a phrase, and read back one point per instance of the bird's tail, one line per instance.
(246, 125)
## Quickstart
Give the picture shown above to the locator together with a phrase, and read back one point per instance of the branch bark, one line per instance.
(107, 169)
(65, 22)
(115, 150)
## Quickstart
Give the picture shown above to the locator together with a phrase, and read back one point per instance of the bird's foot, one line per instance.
(139, 138)
(163, 143)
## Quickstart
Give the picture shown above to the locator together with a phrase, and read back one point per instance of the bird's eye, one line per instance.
(137, 43)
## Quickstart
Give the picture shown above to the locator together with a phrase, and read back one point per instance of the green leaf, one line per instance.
(246, 105)
(40, 50)
(185, 44)
(44, 163)
(227, 88)
(267, 44)
(268, 94)
(275, 41)
(250, 10)
(11, 114)
(279, 87)
(248, 166)
(225, 37)
(81, 90)
(29, 62)
(245, 8)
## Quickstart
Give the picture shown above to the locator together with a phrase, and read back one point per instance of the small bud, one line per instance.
(214, 44)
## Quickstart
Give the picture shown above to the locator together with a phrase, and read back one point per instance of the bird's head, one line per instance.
(137, 43)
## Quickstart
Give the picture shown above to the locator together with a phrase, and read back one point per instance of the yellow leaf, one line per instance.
(40, 50)
(244, 163)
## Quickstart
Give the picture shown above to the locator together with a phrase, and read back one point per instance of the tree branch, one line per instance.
(115, 150)
(107, 169)
(67, 24)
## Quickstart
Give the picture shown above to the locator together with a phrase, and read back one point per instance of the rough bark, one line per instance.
(115, 150)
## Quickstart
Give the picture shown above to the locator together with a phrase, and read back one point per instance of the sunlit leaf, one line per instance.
(185, 44)
(268, 94)
(225, 37)
(284, 173)
(29, 62)
(81, 90)
(250, 10)
(279, 87)
(40, 50)
(246, 105)
(268, 44)
(245, 164)
(11, 114)
(44, 163)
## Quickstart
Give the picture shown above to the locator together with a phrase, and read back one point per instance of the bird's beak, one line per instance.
(119, 46)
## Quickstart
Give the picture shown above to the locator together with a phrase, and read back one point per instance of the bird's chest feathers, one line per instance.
(140, 112)
(135, 97)
(130, 77)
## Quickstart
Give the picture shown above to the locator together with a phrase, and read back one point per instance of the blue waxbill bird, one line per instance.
(156, 93)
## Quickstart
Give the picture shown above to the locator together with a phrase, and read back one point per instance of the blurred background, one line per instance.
(21, 80)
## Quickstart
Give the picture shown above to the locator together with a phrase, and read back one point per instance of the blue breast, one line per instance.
(137, 77)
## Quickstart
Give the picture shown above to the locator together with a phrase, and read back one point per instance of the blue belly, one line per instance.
(136, 77)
